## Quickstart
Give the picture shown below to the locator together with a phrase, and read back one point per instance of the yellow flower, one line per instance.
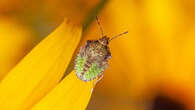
(15, 41)
(152, 67)
(70, 94)
(35, 80)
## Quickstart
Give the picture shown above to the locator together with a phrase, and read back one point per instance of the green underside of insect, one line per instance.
(91, 73)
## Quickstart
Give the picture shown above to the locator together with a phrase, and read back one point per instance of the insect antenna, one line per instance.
(118, 35)
(98, 22)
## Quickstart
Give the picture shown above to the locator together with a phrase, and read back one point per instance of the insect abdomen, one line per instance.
(79, 65)
(87, 73)
(92, 72)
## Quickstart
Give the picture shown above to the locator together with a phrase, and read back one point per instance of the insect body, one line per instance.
(93, 58)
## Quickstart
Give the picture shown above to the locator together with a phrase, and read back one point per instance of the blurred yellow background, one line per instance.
(152, 67)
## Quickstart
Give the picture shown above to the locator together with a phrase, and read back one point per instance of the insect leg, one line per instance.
(98, 79)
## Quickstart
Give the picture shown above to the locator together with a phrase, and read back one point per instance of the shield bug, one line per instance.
(93, 58)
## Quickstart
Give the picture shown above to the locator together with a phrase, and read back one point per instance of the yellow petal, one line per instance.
(12, 34)
(70, 94)
(40, 70)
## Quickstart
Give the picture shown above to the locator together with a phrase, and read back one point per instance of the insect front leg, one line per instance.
(98, 78)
